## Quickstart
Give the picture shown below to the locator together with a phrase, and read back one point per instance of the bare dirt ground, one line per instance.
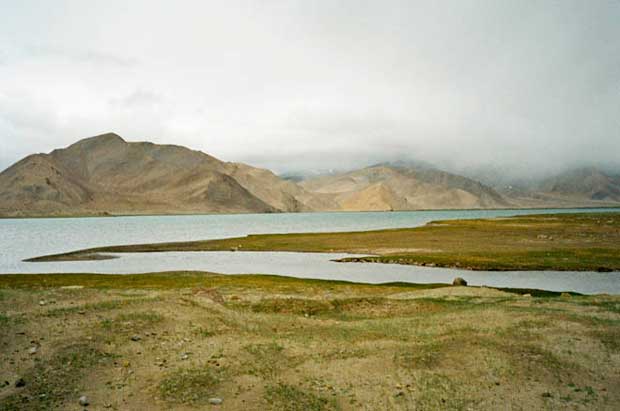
(259, 343)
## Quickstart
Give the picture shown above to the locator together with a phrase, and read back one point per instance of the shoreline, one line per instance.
(106, 215)
(96, 280)
(540, 242)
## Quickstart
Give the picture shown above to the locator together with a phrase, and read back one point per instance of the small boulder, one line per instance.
(215, 401)
(459, 281)
(135, 338)
(20, 382)
(83, 401)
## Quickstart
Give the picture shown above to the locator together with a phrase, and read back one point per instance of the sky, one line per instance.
(530, 87)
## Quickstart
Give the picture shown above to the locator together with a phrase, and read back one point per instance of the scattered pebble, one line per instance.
(215, 401)
(83, 401)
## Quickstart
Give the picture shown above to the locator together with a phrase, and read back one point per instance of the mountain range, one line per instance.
(106, 175)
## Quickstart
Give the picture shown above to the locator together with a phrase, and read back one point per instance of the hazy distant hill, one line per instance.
(584, 183)
(106, 174)
(398, 187)
(579, 187)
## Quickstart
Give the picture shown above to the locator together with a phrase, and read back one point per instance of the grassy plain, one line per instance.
(575, 242)
(175, 340)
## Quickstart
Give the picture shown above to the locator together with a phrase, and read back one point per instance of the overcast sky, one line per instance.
(291, 85)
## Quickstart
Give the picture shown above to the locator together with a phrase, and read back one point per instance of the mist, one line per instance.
(525, 87)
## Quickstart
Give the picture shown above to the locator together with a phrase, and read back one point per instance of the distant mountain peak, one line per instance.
(400, 164)
(99, 140)
(105, 137)
(105, 174)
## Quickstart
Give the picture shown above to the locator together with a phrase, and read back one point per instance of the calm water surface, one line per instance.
(24, 238)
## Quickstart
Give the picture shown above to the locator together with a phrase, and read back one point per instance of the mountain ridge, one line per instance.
(107, 175)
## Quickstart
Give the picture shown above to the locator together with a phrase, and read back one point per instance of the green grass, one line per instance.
(267, 359)
(283, 397)
(442, 392)
(592, 259)
(191, 385)
(587, 241)
(4, 320)
(191, 279)
(131, 322)
(99, 306)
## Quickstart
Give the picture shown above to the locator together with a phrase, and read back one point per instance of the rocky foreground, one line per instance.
(188, 341)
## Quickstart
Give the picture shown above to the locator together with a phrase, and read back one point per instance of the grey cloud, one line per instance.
(77, 55)
(138, 98)
(527, 86)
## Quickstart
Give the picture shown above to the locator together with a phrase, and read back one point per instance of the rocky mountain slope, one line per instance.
(580, 187)
(395, 187)
(106, 174)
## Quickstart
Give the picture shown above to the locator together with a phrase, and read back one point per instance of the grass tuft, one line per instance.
(191, 385)
(283, 397)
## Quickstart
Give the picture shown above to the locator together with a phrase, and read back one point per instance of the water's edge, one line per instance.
(26, 238)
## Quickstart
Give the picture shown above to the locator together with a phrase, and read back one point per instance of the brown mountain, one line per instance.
(584, 183)
(394, 187)
(106, 174)
(574, 188)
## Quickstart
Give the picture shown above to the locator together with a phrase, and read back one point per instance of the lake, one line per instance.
(24, 238)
